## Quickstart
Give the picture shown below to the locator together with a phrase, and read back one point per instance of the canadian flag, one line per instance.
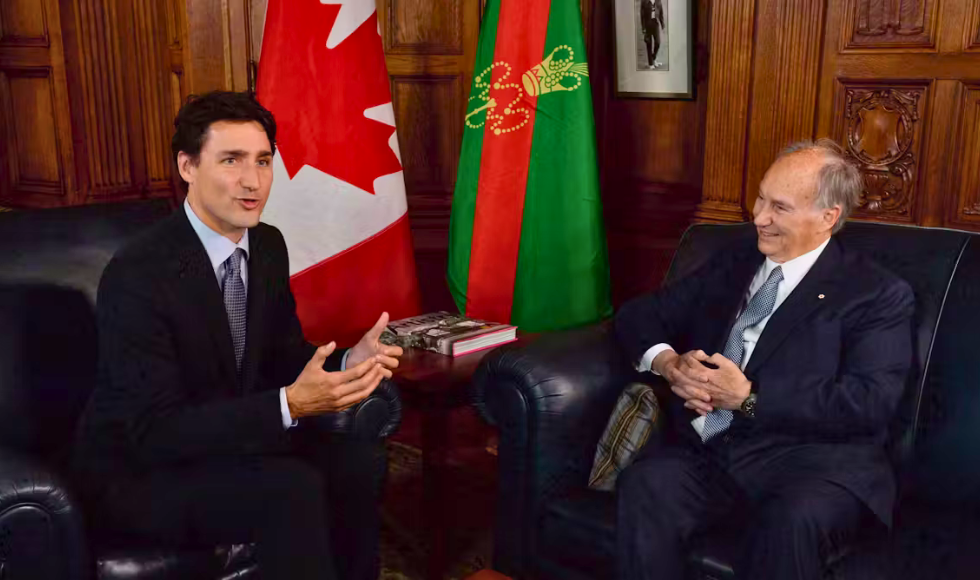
(338, 192)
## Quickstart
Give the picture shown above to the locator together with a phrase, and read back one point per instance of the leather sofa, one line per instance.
(551, 400)
(50, 265)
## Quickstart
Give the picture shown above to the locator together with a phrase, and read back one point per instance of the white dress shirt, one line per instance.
(219, 249)
(793, 272)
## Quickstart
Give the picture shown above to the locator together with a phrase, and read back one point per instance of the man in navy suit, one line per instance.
(783, 426)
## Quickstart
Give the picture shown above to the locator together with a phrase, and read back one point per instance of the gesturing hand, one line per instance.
(370, 346)
(317, 391)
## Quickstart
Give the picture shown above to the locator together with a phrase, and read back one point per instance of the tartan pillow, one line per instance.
(632, 421)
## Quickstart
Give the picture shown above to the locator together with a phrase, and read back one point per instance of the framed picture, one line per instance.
(655, 45)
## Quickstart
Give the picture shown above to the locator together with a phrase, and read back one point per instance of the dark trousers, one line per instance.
(652, 39)
(311, 514)
(673, 492)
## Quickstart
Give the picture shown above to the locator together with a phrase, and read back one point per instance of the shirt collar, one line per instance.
(218, 247)
(795, 269)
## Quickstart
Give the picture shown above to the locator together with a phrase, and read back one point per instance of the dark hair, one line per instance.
(199, 111)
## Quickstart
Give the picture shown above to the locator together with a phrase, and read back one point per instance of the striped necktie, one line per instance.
(760, 306)
(233, 292)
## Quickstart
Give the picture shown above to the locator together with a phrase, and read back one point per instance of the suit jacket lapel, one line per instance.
(199, 290)
(740, 277)
(258, 278)
(800, 303)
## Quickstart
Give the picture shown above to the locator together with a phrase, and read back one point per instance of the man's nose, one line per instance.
(250, 176)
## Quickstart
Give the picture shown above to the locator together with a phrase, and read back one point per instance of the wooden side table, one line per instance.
(433, 385)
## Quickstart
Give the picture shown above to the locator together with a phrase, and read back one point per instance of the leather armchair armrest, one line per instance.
(377, 416)
(551, 400)
(41, 529)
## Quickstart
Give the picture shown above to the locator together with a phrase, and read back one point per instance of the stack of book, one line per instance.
(447, 333)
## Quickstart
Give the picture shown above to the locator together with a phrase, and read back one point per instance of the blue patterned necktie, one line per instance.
(760, 306)
(233, 292)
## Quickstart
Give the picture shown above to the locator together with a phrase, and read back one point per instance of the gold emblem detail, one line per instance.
(557, 72)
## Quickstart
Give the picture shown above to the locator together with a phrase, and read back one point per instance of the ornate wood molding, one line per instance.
(880, 130)
(884, 24)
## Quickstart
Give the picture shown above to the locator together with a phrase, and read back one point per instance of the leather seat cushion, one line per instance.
(235, 561)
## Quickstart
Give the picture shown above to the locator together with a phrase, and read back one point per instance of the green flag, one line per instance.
(526, 237)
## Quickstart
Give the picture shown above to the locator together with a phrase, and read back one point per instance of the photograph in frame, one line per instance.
(655, 44)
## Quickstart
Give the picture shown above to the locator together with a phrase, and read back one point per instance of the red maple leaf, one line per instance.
(319, 95)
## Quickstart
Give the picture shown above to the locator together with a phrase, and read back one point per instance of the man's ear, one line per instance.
(831, 215)
(187, 166)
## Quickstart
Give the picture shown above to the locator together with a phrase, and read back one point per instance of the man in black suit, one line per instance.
(785, 428)
(652, 21)
(205, 426)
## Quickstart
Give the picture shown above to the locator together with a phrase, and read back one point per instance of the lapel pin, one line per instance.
(820, 296)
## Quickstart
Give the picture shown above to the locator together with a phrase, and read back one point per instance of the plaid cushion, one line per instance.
(633, 419)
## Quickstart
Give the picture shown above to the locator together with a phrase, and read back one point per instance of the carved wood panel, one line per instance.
(23, 22)
(106, 132)
(876, 24)
(155, 97)
(33, 164)
(880, 127)
(965, 172)
(423, 26)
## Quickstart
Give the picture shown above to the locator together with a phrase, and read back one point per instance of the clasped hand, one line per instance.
(317, 391)
(704, 389)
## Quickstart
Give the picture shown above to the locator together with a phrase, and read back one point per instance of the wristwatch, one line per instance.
(748, 406)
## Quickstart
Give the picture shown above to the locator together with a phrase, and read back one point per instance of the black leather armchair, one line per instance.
(552, 398)
(50, 265)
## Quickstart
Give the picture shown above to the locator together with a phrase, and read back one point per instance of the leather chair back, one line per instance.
(50, 265)
(946, 468)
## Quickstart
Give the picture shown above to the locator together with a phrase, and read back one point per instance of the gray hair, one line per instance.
(839, 181)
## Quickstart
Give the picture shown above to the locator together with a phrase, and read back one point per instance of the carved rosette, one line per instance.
(880, 126)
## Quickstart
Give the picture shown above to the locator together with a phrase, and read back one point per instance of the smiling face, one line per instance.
(787, 220)
(229, 184)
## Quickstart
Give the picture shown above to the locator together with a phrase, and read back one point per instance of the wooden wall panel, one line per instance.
(428, 113)
(23, 22)
(880, 124)
(965, 198)
(107, 134)
(650, 162)
(218, 45)
(972, 36)
(424, 27)
(732, 35)
(430, 163)
(890, 24)
(31, 138)
(36, 157)
(176, 19)
(786, 78)
(155, 97)
(430, 46)
(884, 78)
